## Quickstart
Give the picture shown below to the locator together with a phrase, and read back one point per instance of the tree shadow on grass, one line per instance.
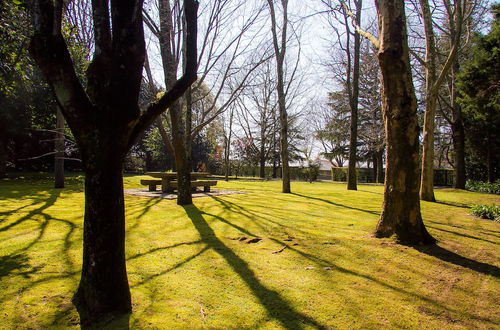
(336, 204)
(326, 263)
(276, 306)
(456, 259)
(48, 202)
(461, 234)
(18, 264)
(454, 204)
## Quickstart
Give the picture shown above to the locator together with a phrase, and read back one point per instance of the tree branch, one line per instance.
(374, 40)
(182, 84)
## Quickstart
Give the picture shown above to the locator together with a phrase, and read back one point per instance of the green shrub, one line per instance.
(491, 212)
(484, 187)
(309, 173)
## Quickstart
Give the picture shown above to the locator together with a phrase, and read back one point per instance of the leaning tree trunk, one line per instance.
(431, 94)
(401, 208)
(103, 287)
(59, 151)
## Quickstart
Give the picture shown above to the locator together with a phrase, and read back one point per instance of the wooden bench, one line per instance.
(206, 184)
(151, 183)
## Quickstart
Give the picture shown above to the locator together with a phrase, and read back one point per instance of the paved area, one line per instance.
(158, 194)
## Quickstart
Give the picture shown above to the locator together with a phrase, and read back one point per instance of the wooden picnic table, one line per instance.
(168, 180)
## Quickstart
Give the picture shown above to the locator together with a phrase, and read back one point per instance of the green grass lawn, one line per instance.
(191, 267)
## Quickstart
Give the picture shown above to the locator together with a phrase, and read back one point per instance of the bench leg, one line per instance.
(206, 188)
(152, 187)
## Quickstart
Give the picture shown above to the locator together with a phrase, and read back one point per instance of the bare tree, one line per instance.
(257, 113)
(280, 43)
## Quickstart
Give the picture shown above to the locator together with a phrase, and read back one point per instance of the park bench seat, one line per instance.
(151, 183)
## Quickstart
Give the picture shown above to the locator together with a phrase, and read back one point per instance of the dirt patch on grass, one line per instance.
(159, 194)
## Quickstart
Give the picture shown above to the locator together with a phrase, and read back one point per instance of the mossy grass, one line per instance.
(316, 266)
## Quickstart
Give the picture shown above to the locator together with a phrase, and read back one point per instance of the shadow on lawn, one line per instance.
(18, 264)
(454, 204)
(276, 306)
(436, 251)
(456, 259)
(336, 204)
(460, 234)
(47, 202)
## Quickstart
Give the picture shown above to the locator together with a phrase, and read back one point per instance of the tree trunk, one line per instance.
(279, 52)
(457, 132)
(228, 145)
(180, 137)
(181, 157)
(380, 164)
(458, 136)
(427, 175)
(59, 149)
(103, 285)
(354, 100)
(375, 166)
(401, 207)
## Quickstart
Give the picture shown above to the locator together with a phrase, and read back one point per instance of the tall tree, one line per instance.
(280, 43)
(459, 11)
(401, 208)
(353, 91)
(349, 41)
(106, 120)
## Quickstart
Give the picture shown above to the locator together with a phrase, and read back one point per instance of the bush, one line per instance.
(491, 212)
(484, 187)
(309, 173)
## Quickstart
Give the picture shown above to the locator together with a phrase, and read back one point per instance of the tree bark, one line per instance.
(103, 287)
(401, 207)
(59, 149)
(181, 157)
(375, 166)
(380, 166)
(457, 133)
